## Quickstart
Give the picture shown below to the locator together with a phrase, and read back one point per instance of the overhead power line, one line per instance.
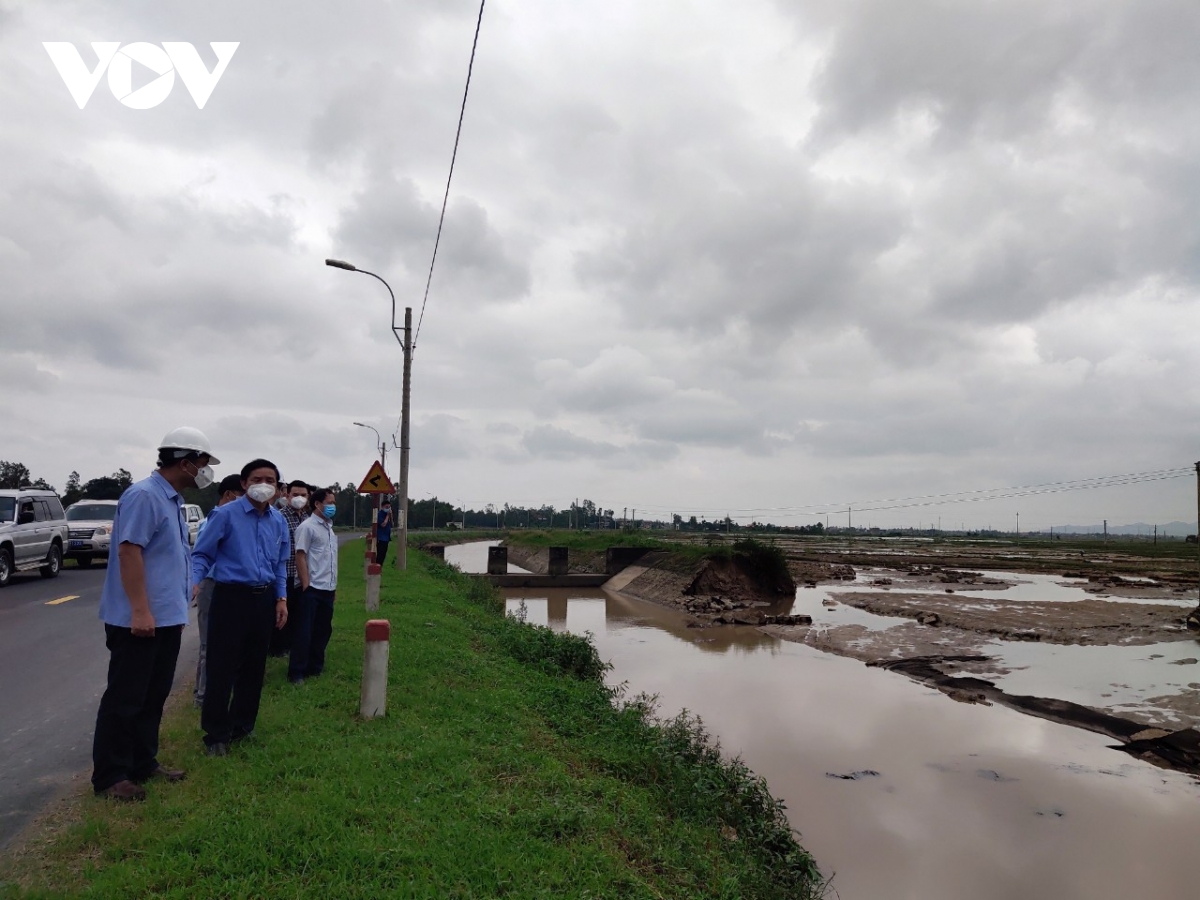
(453, 156)
(970, 496)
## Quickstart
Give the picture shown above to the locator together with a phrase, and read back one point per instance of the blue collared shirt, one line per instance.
(240, 545)
(150, 515)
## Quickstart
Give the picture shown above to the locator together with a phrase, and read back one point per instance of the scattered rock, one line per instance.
(854, 776)
(929, 618)
(786, 620)
(828, 602)
(949, 590)
(1190, 661)
(966, 696)
(1149, 734)
(1053, 811)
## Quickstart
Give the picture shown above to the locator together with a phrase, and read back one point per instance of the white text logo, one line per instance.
(164, 62)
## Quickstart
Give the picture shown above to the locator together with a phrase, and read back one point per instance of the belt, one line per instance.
(249, 588)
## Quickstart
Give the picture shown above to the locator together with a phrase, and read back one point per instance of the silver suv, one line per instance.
(91, 524)
(33, 533)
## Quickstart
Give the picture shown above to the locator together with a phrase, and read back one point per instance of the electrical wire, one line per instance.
(972, 496)
(453, 156)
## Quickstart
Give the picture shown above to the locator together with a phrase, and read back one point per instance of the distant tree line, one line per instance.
(15, 475)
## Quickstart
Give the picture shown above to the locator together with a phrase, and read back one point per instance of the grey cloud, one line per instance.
(446, 437)
(619, 378)
(390, 221)
(998, 70)
(776, 250)
(554, 443)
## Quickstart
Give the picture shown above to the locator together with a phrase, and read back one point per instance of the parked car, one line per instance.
(90, 523)
(33, 533)
(193, 515)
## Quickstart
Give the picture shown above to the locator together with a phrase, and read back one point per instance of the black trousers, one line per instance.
(281, 638)
(314, 627)
(240, 623)
(140, 672)
(381, 551)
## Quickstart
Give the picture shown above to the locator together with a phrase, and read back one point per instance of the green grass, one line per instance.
(502, 769)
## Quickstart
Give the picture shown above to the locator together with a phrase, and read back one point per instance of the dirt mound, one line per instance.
(735, 578)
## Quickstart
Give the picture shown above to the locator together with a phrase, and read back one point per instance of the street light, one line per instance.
(379, 444)
(405, 345)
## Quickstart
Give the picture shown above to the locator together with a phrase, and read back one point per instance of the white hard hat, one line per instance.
(190, 439)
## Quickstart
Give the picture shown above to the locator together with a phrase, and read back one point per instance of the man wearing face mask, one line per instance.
(316, 567)
(295, 511)
(143, 605)
(246, 545)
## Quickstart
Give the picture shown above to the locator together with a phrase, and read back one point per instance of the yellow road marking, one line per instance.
(62, 600)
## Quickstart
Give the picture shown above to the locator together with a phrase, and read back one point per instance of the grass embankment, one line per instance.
(501, 769)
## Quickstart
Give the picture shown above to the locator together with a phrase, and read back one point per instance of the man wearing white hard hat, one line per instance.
(144, 606)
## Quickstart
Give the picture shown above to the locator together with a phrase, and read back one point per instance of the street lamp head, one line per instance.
(359, 424)
(341, 264)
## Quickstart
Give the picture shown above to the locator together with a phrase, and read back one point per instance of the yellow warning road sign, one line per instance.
(376, 481)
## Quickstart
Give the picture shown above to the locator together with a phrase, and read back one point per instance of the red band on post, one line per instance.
(378, 630)
(374, 569)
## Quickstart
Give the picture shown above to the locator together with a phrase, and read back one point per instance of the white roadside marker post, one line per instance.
(374, 571)
(373, 700)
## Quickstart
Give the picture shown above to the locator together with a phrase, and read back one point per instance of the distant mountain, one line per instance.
(1173, 529)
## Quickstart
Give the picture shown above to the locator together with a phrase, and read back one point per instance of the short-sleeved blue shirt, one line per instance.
(150, 515)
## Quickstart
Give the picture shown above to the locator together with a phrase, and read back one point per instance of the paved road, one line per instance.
(53, 666)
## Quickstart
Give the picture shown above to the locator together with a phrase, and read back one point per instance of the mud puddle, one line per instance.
(896, 791)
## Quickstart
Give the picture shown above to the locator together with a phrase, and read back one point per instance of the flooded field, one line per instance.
(898, 791)
(1157, 683)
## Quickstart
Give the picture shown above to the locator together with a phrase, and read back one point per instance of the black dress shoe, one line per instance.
(219, 749)
(124, 791)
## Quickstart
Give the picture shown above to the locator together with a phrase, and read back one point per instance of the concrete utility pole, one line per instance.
(405, 396)
(1198, 527)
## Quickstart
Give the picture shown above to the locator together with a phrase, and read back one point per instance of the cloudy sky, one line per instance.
(698, 256)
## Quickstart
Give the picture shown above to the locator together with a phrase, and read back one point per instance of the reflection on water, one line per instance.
(971, 802)
(473, 557)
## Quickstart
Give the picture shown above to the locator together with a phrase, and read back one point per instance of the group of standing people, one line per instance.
(255, 570)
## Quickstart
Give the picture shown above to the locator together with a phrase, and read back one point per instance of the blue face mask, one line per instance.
(330, 510)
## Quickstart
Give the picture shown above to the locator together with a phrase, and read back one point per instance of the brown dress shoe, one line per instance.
(125, 791)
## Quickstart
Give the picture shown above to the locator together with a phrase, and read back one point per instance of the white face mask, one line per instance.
(204, 477)
(260, 493)
(299, 502)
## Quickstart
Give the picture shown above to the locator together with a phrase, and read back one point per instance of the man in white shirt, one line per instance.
(316, 575)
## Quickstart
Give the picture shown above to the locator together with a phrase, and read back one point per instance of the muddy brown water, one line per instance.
(969, 801)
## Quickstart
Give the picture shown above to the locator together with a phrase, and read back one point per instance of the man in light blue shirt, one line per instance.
(143, 605)
(316, 570)
(246, 546)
